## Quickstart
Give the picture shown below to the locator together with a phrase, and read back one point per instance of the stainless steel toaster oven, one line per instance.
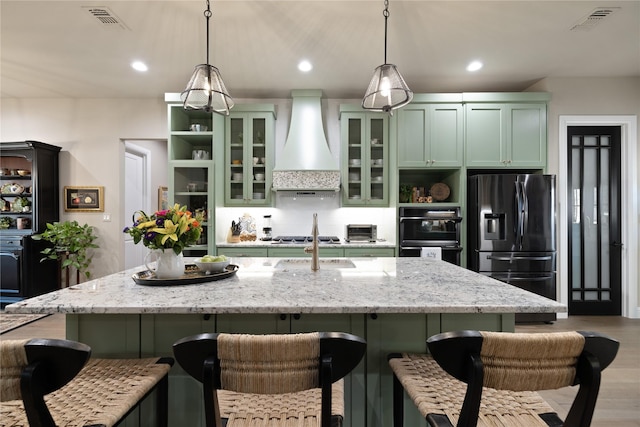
(361, 233)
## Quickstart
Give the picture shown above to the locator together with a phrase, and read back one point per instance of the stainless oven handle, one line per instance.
(519, 258)
(430, 218)
(523, 279)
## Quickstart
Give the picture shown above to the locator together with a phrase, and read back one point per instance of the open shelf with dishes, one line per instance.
(191, 152)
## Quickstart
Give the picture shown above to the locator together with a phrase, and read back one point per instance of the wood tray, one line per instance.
(192, 275)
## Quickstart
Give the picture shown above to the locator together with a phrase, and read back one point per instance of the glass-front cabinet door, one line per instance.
(248, 158)
(365, 145)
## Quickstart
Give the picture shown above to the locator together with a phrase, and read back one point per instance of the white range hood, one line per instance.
(306, 163)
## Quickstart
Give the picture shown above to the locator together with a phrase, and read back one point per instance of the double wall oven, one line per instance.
(430, 228)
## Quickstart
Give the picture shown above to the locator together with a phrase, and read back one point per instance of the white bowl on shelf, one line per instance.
(258, 196)
(259, 177)
(236, 177)
(354, 162)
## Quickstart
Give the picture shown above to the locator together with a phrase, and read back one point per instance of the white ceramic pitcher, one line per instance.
(168, 264)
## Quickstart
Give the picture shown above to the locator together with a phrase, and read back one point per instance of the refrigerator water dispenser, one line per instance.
(494, 226)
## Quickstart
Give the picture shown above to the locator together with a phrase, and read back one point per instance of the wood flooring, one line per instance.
(619, 400)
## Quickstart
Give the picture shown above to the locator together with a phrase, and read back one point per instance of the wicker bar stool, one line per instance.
(271, 380)
(491, 378)
(48, 383)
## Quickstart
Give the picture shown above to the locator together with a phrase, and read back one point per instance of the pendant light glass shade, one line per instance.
(206, 91)
(387, 90)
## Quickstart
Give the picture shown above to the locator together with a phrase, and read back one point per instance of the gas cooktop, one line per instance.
(304, 239)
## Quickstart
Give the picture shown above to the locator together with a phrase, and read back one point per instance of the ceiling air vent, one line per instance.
(594, 18)
(105, 17)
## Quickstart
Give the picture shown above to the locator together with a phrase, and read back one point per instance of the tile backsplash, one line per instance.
(294, 217)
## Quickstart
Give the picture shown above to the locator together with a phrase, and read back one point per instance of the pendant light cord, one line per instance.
(385, 13)
(207, 15)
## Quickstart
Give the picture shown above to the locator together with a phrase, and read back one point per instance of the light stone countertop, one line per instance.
(261, 285)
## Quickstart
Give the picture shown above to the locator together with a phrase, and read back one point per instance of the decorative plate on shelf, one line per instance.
(440, 192)
(11, 188)
(192, 275)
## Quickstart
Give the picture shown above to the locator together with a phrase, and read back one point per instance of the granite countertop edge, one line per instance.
(262, 286)
(270, 244)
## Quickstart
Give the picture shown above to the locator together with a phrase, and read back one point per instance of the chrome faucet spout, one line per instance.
(313, 249)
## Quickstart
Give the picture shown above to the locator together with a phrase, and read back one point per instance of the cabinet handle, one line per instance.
(373, 316)
(296, 316)
(433, 161)
(283, 317)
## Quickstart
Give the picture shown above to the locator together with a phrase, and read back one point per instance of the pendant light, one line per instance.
(206, 90)
(387, 90)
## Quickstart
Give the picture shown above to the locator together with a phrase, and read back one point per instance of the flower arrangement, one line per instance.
(174, 228)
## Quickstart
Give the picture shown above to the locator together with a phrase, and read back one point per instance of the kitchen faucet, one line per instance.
(313, 249)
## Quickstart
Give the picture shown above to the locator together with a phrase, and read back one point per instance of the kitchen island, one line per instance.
(394, 303)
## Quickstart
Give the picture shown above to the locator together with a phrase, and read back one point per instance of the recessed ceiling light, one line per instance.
(305, 66)
(474, 66)
(139, 66)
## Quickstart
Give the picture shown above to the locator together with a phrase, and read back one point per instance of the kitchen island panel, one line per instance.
(253, 324)
(390, 333)
(108, 335)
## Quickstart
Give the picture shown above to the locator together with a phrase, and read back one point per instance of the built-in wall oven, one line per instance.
(421, 228)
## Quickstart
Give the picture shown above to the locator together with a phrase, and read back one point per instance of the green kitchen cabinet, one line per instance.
(365, 157)
(506, 135)
(191, 167)
(430, 135)
(243, 252)
(249, 145)
(369, 252)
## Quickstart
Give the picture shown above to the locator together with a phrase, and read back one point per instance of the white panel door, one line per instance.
(135, 194)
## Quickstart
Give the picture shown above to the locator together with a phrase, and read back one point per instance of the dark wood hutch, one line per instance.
(29, 199)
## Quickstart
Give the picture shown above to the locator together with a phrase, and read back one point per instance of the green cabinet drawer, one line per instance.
(369, 252)
(243, 252)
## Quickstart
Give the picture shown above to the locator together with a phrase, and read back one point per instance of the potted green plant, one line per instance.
(70, 242)
(405, 193)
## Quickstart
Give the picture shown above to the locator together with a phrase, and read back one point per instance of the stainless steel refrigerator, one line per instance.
(512, 232)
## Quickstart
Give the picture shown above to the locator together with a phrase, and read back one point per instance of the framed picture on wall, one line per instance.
(163, 198)
(83, 199)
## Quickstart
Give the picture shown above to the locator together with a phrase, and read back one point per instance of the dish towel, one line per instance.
(431, 253)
